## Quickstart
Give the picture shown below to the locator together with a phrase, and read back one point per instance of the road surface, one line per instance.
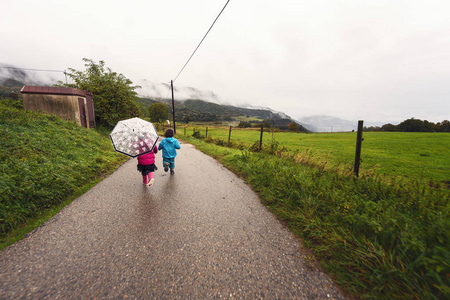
(199, 234)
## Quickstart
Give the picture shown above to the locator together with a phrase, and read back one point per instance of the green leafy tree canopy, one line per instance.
(158, 112)
(114, 95)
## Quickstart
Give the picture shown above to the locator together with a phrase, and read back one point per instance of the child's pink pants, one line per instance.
(146, 179)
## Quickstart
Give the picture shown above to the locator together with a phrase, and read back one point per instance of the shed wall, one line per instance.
(64, 106)
(68, 103)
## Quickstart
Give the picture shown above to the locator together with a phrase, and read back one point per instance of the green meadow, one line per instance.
(384, 235)
(406, 155)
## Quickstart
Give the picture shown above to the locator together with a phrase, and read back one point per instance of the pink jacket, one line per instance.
(149, 158)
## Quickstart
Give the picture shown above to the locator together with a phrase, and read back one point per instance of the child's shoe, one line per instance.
(150, 183)
(172, 172)
(166, 167)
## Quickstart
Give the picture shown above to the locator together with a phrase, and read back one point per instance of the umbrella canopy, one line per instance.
(134, 137)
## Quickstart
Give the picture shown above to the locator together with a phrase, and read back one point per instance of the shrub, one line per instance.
(197, 134)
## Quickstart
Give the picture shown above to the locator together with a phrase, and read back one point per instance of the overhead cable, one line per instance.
(14, 68)
(153, 85)
(201, 41)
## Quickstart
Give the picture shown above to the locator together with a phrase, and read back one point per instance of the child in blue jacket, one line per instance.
(169, 152)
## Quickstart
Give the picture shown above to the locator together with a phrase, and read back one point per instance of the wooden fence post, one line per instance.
(229, 137)
(359, 140)
(206, 131)
(260, 139)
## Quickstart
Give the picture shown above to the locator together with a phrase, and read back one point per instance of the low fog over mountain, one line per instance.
(30, 76)
(320, 123)
(323, 123)
(150, 89)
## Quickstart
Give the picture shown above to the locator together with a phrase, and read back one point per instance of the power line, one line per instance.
(14, 68)
(201, 41)
(153, 85)
(168, 91)
(39, 70)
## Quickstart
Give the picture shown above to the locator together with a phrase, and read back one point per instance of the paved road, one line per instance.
(200, 234)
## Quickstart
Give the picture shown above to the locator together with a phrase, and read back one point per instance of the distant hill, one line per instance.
(227, 110)
(328, 124)
(12, 79)
(195, 110)
(9, 86)
(192, 110)
(199, 110)
(148, 101)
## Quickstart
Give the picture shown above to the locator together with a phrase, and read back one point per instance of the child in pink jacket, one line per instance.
(146, 165)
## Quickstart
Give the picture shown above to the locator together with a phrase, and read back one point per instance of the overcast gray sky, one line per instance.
(379, 61)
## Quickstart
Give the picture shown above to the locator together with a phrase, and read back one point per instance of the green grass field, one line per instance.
(378, 237)
(418, 156)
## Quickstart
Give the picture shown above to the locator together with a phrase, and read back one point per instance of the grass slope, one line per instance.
(44, 161)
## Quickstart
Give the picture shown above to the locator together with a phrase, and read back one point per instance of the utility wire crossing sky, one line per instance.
(201, 41)
(376, 60)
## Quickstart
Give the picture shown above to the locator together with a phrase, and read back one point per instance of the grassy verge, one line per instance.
(40, 217)
(379, 240)
(45, 163)
(405, 155)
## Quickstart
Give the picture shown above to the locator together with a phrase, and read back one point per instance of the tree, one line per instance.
(114, 95)
(244, 124)
(388, 127)
(443, 126)
(187, 119)
(158, 112)
(372, 128)
(416, 125)
(293, 126)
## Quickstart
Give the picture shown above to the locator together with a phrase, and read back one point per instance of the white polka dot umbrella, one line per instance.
(134, 137)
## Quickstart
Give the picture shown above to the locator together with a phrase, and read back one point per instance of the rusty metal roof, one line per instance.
(29, 89)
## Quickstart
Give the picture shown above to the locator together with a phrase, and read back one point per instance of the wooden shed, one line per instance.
(68, 103)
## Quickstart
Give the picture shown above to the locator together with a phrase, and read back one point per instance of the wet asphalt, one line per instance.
(199, 234)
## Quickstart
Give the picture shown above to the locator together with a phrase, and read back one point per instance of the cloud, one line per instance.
(377, 60)
(164, 91)
(27, 76)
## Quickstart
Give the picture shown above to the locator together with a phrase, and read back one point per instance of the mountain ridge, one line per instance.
(197, 110)
(12, 80)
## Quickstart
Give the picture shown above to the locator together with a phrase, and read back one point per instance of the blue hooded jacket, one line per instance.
(168, 147)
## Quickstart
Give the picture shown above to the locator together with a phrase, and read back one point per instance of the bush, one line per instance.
(244, 124)
(16, 103)
(197, 134)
